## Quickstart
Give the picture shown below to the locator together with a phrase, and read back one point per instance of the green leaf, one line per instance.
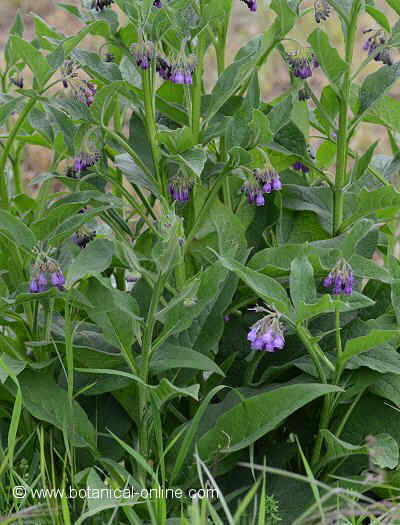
(31, 57)
(302, 284)
(328, 58)
(361, 165)
(266, 288)
(15, 230)
(46, 401)
(376, 85)
(385, 199)
(95, 258)
(395, 295)
(384, 451)
(8, 107)
(394, 5)
(338, 449)
(115, 312)
(194, 159)
(384, 360)
(364, 343)
(379, 16)
(252, 418)
(171, 356)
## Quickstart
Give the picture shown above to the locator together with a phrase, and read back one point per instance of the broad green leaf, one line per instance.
(253, 417)
(47, 401)
(376, 85)
(328, 58)
(8, 107)
(369, 202)
(395, 295)
(363, 267)
(115, 313)
(194, 160)
(15, 230)
(338, 449)
(362, 163)
(95, 258)
(302, 283)
(382, 360)
(384, 451)
(32, 58)
(364, 343)
(394, 5)
(171, 356)
(266, 288)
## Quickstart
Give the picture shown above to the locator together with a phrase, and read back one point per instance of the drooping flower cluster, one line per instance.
(157, 3)
(302, 62)
(180, 71)
(85, 160)
(99, 5)
(83, 236)
(82, 89)
(46, 273)
(340, 278)
(322, 10)
(143, 53)
(376, 40)
(267, 333)
(180, 187)
(251, 4)
(303, 94)
(261, 182)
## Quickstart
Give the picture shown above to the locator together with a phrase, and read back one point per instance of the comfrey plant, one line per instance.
(179, 194)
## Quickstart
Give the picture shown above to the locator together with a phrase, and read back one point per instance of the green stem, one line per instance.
(197, 88)
(4, 198)
(147, 78)
(146, 355)
(342, 145)
(338, 334)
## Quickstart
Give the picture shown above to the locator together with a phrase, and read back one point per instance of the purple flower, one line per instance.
(99, 5)
(38, 283)
(57, 279)
(163, 68)
(157, 3)
(85, 160)
(86, 92)
(302, 62)
(251, 4)
(262, 182)
(267, 333)
(143, 53)
(322, 10)
(340, 279)
(299, 166)
(180, 187)
(376, 40)
(82, 238)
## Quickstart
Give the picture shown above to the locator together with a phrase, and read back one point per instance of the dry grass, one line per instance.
(244, 26)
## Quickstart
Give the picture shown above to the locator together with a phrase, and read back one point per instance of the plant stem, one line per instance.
(198, 83)
(147, 78)
(146, 355)
(342, 145)
(338, 334)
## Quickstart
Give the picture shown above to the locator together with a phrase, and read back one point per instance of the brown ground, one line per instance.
(244, 25)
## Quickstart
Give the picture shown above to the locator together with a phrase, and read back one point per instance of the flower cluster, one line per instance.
(340, 278)
(267, 333)
(46, 273)
(85, 160)
(82, 237)
(18, 81)
(261, 182)
(299, 166)
(157, 3)
(82, 89)
(302, 62)
(99, 5)
(376, 40)
(251, 4)
(180, 187)
(143, 53)
(322, 10)
(178, 72)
